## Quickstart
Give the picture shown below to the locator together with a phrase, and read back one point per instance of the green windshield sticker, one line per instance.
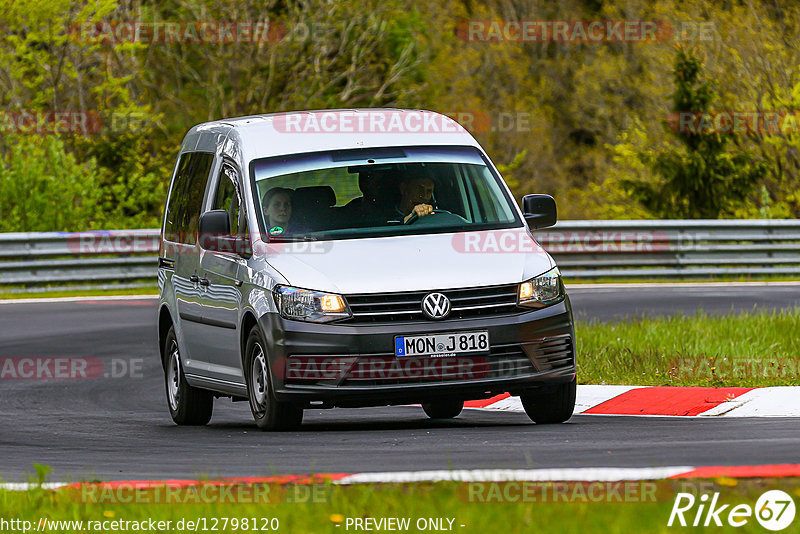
(276, 230)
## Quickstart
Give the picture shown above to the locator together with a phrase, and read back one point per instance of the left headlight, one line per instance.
(306, 305)
(542, 291)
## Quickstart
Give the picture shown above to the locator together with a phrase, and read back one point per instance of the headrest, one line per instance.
(314, 196)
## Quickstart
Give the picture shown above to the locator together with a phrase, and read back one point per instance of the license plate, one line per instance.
(442, 344)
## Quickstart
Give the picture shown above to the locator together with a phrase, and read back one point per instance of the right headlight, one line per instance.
(541, 291)
(307, 305)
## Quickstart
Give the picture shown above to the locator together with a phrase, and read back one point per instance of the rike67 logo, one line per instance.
(774, 510)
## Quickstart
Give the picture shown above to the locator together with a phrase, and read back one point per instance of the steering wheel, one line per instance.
(414, 218)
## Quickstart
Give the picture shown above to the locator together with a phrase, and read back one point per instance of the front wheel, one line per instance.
(188, 405)
(268, 413)
(552, 406)
(446, 409)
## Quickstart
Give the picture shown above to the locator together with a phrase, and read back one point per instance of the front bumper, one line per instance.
(527, 335)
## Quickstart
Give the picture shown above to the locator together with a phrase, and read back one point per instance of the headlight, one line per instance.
(307, 305)
(544, 290)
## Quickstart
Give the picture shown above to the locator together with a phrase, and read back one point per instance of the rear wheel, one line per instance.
(188, 405)
(268, 413)
(552, 406)
(445, 409)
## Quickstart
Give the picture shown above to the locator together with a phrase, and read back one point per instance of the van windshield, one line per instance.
(359, 193)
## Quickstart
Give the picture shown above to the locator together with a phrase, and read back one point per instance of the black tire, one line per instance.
(553, 406)
(443, 409)
(268, 413)
(187, 404)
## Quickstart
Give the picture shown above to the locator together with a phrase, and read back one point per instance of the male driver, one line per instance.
(416, 198)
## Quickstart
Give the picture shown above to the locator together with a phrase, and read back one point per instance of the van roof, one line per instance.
(296, 132)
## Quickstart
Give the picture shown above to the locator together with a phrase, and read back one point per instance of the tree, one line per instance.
(700, 177)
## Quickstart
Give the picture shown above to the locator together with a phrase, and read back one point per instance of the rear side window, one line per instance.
(186, 197)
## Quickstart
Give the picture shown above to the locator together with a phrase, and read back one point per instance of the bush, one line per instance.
(43, 187)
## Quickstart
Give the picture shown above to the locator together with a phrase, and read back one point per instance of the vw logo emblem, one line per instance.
(436, 305)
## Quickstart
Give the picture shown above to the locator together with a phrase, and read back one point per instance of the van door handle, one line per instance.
(194, 278)
(204, 282)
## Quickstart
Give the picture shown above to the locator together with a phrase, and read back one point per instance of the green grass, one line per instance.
(296, 512)
(80, 293)
(749, 349)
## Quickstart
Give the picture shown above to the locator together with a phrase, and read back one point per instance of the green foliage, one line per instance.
(507, 170)
(111, 177)
(132, 183)
(701, 178)
(586, 117)
(43, 187)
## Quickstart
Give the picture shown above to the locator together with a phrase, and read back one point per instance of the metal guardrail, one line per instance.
(33, 260)
(583, 249)
(675, 248)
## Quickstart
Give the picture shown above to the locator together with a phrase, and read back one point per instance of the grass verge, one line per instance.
(80, 293)
(749, 349)
(612, 507)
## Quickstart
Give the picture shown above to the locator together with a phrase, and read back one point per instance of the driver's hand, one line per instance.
(420, 210)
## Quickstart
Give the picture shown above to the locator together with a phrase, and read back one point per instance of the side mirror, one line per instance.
(539, 210)
(215, 223)
(215, 234)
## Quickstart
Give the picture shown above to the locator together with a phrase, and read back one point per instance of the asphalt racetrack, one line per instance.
(119, 428)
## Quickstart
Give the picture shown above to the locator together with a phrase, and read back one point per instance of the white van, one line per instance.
(350, 258)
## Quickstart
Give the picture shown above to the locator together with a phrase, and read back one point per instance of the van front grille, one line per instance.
(407, 306)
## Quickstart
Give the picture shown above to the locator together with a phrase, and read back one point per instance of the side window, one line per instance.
(490, 195)
(195, 190)
(227, 196)
(186, 198)
(177, 201)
